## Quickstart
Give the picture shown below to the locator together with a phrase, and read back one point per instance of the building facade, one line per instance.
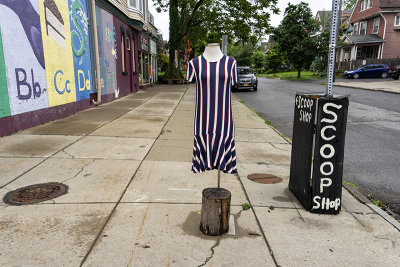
(48, 54)
(374, 32)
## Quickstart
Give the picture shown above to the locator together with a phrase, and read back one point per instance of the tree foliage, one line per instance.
(245, 20)
(274, 58)
(258, 59)
(296, 36)
(348, 4)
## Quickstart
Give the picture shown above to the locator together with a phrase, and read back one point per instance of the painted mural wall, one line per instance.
(44, 54)
(107, 51)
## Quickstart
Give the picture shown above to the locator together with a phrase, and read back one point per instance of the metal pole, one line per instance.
(219, 174)
(224, 44)
(332, 46)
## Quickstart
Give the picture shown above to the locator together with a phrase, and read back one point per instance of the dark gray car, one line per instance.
(247, 79)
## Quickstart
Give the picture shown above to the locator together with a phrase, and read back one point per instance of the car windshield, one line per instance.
(245, 71)
(362, 67)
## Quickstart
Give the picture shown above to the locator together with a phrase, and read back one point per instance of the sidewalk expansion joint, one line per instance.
(212, 252)
(355, 218)
(127, 186)
(258, 223)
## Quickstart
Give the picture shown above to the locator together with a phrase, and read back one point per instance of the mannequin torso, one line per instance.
(212, 52)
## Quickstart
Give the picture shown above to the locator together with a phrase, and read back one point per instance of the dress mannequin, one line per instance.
(212, 52)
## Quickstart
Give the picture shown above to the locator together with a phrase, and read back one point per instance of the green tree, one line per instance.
(258, 59)
(348, 4)
(296, 36)
(242, 19)
(274, 58)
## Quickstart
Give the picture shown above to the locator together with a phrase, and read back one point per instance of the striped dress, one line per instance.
(214, 132)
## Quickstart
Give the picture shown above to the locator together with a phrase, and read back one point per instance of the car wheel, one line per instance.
(255, 88)
(395, 77)
(384, 75)
(356, 76)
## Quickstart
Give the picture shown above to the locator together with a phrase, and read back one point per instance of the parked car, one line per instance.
(370, 70)
(247, 79)
(395, 72)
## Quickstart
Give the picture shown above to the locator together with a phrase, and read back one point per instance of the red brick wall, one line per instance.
(392, 46)
(359, 15)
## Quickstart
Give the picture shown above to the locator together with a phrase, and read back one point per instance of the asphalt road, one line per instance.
(372, 148)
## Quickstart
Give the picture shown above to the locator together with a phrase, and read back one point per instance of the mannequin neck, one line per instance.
(213, 52)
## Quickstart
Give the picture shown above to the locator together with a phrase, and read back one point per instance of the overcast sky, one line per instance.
(162, 21)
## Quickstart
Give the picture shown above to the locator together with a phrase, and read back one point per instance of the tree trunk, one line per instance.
(174, 40)
(298, 72)
(215, 210)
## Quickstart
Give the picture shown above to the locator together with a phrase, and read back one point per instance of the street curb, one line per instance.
(363, 199)
(384, 215)
(364, 88)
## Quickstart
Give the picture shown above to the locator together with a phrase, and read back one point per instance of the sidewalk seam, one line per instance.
(62, 149)
(271, 252)
(127, 186)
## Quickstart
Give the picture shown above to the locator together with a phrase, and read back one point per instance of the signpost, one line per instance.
(319, 130)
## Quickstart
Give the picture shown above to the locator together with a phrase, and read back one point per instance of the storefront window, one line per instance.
(146, 68)
(140, 68)
(123, 52)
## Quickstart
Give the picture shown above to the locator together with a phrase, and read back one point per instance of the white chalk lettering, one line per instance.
(331, 151)
(321, 168)
(305, 116)
(323, 184)
(325, 203)
(323, 132)
(325, 109)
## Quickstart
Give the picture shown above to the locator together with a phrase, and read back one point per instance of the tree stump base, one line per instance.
(215, 209)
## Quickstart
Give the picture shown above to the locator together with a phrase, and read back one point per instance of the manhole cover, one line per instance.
(35, 193)
(264, 178)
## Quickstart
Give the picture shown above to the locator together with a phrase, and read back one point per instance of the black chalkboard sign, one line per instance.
(301, 159)
(328, 155)
(319, 131)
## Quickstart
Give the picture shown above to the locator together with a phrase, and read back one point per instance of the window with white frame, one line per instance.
(376, 25)
(355, 29)
(132, 3)
(397, 21)
(363, 28)
(137, 5)
(366, 4)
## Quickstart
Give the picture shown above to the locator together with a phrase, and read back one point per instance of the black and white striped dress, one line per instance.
(214, 131)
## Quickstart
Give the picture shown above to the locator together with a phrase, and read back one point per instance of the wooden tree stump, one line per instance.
(215, 209)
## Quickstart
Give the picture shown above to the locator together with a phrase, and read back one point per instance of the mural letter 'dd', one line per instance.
(80, 48)
(57, 51)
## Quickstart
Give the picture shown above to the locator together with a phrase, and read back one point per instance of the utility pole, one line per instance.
(332, 45)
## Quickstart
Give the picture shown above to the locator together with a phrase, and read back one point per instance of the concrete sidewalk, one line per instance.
(133, 201)
(387, 85)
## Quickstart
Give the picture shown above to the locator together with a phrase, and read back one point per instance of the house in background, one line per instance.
(325, 18)
(375, 32)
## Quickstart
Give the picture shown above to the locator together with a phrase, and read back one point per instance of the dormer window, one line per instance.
(366, 4)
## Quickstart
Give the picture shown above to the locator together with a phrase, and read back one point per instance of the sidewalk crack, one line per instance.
(212, 252)
(63, 150)
(282, 149)
(82, 169)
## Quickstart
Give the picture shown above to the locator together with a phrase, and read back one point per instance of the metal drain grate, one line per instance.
(35, 193)
(264, 178)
